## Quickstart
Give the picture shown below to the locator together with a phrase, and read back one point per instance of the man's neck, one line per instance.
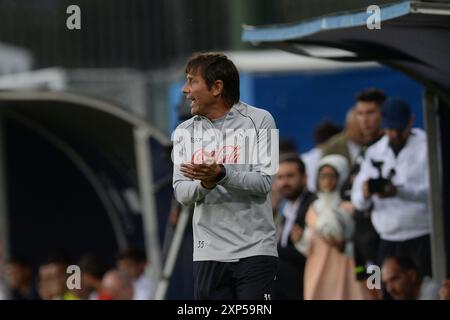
(398, 147)
(218, 111)
(371, 139)
(296, 196)
(24, 289)
(218, 115)
(97, 285)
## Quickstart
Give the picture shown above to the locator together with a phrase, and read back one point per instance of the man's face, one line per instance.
(111, 286)
(290, 180)
(397, 137)
(399, 284)
(197, 91)
(132, 268)
(17, 275)
(115, 288)
(368, 115)
(52, 279)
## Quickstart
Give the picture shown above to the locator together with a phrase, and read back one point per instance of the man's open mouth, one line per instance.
(193, 100)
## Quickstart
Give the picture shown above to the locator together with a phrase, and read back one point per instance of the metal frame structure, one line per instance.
(142, 132)
(435, 196)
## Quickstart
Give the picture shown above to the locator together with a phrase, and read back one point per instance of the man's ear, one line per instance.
(217, 88)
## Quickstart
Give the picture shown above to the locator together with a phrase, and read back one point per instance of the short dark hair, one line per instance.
(92, 265)
(19, 261)
(371, 95)
(56, 257)
(406, 263)
(294, 158)
(287, 145)
(137, 254)
(214, 66)
(325, 130)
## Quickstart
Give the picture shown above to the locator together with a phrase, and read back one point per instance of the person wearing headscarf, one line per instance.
(327, 240)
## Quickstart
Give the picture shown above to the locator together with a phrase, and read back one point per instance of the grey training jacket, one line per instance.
(234, 220)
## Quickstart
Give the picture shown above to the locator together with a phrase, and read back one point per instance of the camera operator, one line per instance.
(394, 180)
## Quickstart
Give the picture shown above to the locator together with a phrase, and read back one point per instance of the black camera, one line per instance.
(380, 184)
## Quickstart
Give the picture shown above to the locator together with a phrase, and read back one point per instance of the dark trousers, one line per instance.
(418, 249)
(291, 267)
(365, 243)
(250, 278)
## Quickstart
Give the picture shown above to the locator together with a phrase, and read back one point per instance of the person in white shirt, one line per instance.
(404, 282)
(133, 262)
(399, 199)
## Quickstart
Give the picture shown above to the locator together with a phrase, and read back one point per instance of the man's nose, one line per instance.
(185, 89)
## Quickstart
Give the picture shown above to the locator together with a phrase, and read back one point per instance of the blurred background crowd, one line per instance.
(125, 280)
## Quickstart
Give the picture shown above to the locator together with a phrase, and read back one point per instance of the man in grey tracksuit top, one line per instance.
(235, 254)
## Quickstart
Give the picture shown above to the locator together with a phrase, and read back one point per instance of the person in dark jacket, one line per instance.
(291, 182)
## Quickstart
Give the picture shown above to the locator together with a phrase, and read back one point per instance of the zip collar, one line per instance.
(235, 110)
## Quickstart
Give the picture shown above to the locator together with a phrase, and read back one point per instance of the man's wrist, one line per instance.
(222, 173)
(208, 184)
(391, 192)
(394, 190)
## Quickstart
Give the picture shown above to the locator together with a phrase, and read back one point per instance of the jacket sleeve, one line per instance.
(249, 182)
(417, 191)
(357, 196)
(186, 190)
(258, 181)
(413, 193)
